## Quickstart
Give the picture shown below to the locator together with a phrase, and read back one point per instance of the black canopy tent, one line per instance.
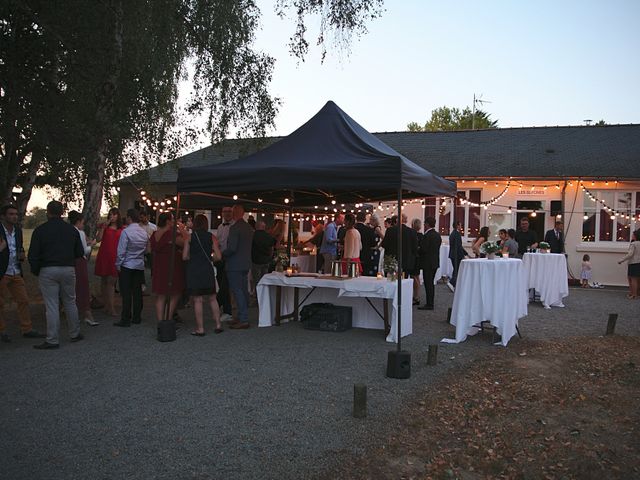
(329, 160)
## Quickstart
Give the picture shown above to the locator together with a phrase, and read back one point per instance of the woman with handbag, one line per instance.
(200, 251)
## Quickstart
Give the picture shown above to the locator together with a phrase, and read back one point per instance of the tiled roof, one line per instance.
(608, 151)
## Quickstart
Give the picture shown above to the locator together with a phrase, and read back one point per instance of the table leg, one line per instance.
(385, 309)
(296, 304)
(278, 305)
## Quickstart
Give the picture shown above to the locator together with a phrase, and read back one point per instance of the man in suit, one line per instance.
(409, 244)
(555, 238)
(11, 256)
(368, 240)
(456, 253)
(237, 256)
(429, 259)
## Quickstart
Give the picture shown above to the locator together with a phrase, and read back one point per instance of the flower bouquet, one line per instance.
(282, 261)
(490, 249)
(544, 247)
(390, 267)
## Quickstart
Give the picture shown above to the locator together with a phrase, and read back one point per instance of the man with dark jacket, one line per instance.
(429, 260)
(261, 252)
(456, 253)
(368, 240)
(55, 245)
(409, 244)
(555, 238)
(237, 257)
(11, 256)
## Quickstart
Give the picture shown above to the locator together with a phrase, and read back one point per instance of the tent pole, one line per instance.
(399, 361)
(399, 268)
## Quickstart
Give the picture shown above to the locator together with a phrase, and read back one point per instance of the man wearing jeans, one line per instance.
(132, 246)
(11, 256)
(237, 257)
(55, 245)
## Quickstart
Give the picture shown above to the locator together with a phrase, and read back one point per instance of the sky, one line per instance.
(541, 63)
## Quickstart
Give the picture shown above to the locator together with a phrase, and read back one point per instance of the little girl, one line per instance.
(585, 274)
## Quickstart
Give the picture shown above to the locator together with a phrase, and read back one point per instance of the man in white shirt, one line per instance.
(132, 247)
(11, 254)
(149, 228)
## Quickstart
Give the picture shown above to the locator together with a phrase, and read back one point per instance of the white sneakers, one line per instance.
(451, 287)
(91, 323)
(225, 317)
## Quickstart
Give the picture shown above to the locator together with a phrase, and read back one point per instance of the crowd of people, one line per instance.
(189, 263)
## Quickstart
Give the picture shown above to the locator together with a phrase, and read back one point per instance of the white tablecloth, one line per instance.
(493, 290)
(307, 263)
(351, 292)
(446, 267)
(547, 273)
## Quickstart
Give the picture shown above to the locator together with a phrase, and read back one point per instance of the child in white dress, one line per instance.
(585, 274)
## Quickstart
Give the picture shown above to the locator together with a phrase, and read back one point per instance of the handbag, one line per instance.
(208, 257)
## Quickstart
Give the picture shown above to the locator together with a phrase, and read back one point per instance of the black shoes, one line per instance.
(46, 346)
(77, 338)
(425, 307)
(33, 334)
(121, 324)
(4, 338)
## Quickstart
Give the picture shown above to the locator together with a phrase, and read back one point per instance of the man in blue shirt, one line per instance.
(329, 246)
(132, 246)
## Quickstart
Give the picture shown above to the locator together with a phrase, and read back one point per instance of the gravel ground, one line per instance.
(255, 404)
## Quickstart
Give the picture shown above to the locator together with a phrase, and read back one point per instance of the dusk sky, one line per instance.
(538, 63)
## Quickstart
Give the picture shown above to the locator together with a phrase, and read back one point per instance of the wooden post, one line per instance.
(359, 400)
(611, 324)
(432, 355)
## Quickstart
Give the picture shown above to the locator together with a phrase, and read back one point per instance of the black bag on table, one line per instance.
(326, 317)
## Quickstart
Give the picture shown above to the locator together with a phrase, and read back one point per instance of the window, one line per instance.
(450, 210)
(600, 224)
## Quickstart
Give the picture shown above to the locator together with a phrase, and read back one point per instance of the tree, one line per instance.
(106, 75)
(448, 119)
(36, 216)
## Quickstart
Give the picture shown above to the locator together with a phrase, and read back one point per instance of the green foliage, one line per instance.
(448, 119)
(89, 89)
(36, 216)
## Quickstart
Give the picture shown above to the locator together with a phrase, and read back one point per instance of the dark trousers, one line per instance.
(456, 265)
(131, 291)
(224, 298)
(427, 276)
(239, 287)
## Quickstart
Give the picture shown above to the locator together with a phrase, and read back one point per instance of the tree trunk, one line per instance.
(97, 160)
(28, 183)
(94, 189)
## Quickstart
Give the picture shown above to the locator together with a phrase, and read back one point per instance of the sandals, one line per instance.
(631, 297)
(198, 334)
(218, 330)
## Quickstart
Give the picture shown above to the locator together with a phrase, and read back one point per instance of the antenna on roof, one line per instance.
(473, 112)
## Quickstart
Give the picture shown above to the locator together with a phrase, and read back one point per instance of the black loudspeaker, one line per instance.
(166, 331)
(399, 364)
(555, 208)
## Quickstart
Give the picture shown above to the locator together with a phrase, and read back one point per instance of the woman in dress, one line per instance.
(83, 296)
(482, 237)
(200, 251)
(161, 247)
(108, 236)
(352, 243)
(633, 269)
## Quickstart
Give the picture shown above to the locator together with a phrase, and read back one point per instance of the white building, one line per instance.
(502, 174)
